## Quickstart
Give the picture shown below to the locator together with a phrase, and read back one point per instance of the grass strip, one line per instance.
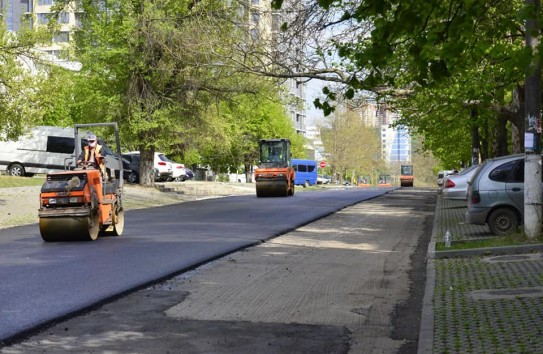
(11, 181)
(498, 241)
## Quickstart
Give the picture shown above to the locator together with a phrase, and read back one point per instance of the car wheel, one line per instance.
(306, 184)
(16, 170)
(132, 177)
(503, 222)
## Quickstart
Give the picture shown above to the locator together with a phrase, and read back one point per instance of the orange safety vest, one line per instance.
(97, 157)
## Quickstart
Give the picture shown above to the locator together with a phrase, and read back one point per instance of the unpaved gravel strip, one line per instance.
(347, 270)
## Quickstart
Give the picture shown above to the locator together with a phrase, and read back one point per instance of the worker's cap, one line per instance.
(91, 137)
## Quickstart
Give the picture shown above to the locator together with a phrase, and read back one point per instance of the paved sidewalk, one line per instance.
(487, 303)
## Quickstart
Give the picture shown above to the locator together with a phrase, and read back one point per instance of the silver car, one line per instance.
(456, 185)
(496, 194)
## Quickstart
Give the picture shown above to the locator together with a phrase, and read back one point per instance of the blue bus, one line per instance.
(306, 172)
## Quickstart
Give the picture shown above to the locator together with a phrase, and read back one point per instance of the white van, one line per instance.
(45, 149)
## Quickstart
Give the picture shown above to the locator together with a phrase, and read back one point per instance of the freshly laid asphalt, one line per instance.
(480, 301)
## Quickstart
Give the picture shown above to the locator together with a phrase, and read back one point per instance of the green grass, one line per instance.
(9, 181)
(510, 240)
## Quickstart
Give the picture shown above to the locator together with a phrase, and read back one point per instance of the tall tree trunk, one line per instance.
(147, 171)
(517, 120)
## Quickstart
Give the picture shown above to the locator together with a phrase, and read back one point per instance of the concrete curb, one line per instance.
(426, 331)
(489, 251)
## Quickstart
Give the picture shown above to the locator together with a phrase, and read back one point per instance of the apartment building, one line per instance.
(38, 12)
(265, 27)
(16, 12)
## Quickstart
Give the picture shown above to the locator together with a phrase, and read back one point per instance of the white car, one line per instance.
(178, 172)
(162, 166)
(323, 179)
(442, 175)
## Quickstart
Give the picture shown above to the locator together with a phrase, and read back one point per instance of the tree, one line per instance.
(154, 67)
(165, 71)
(25, 80)
(240, 122)
(399, 49)
(350, 146)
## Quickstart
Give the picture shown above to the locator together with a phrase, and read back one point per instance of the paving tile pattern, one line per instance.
(453, 212)
(464, 323)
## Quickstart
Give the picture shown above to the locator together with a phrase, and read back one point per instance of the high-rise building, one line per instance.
(395, 141)
(67, 20)
(265, 28)
(16, 12)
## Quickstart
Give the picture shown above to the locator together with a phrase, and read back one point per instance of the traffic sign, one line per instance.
(322, 164)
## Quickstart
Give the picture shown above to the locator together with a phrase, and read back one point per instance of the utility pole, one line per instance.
(532, 138)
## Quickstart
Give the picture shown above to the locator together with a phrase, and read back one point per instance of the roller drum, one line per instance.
(69, 228)
(117, 226)
(272, 189)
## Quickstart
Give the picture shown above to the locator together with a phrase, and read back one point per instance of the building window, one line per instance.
(79, 19)
(255, 34)
(62, 37)
(61, 54)
(43, 19)
(63, 17)
(255, 17)
(45, 2)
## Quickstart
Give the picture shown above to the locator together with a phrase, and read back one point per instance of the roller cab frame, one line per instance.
(81, 204)
(275, 175)
(406, 176)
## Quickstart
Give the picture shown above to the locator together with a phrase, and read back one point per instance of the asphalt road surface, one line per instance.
(42, 282)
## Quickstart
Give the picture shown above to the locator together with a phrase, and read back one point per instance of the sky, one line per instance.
(313, 90)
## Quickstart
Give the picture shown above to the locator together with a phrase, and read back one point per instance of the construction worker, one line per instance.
(92, 154)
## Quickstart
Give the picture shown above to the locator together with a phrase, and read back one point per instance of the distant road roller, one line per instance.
(81, 204)
(406, 176)
(274, 176)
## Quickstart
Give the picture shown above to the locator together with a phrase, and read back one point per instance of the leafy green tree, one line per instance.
(473, 50)
(165, 70)
(154, 67)
(243, 120)
(25, 79)
(352, 148)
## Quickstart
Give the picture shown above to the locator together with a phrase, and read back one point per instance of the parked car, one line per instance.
(323, 179)
(442, 175)
(131, 166)
(188, 174)
(456, 185)
(162, 166)
(178, 172)
(496, 194)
